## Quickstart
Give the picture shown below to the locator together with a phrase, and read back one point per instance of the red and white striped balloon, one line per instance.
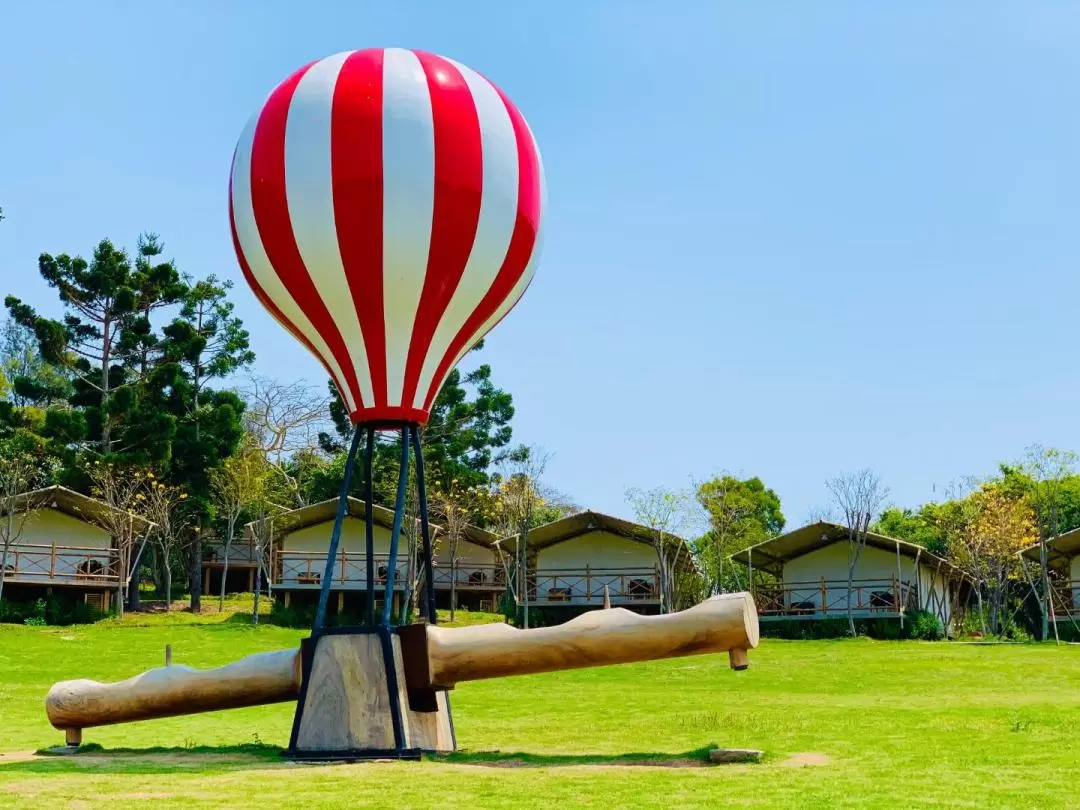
(385, 208)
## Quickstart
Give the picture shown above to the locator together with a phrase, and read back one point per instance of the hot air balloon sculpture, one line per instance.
(386, 209)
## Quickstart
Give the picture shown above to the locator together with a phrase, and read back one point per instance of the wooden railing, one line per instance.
(830, 597)
(305, 568)
(586, 585)
(465, 575)
(70, 565)
(1066, 600)
(240, 551)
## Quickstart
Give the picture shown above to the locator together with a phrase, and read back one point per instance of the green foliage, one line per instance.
(918, 624)
(917, 526)
(924, 626)
(741, 513)
(104, 342)
(53, 610)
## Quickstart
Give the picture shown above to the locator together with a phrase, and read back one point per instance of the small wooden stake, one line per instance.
(73, 737)
(168, 655)
(607, 598)
(738, 659)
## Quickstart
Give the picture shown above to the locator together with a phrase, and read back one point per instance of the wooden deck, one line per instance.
(585, 586)
(823, 598)
(58, 564)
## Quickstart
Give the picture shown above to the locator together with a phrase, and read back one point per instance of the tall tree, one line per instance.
(237, 485)
(859, 497)
(741, 513)
(286, 420)
(164, 506)
(455, 507)
(206, 342)
(102, 299)
(518, 500)
(669, 513)
(1049, 470)
(124, 489)
(997, 526)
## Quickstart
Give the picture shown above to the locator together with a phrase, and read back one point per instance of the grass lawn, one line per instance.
(845, 724)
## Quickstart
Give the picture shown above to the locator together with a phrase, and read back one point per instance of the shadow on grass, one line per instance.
(520, 759)
(207, 759)
(220, 759)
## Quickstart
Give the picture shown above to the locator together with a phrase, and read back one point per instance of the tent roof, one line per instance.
(575, 525)
(1059, 551)
(325, 511)
(77, 505)
(771, 555)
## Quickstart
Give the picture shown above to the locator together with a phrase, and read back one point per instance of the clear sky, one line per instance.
(783, 239)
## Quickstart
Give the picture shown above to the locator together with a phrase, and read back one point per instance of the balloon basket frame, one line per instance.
(354, 703)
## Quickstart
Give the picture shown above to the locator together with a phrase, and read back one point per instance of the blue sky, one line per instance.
(785, 239)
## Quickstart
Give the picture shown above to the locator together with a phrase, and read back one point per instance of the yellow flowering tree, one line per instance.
(123, 488)
(173, 530)
(995, 527)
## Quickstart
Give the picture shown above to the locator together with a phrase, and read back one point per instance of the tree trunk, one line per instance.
(995, 627)
(258, 593)
(225, 565)
(525, 579)
(453, 586)
(133, 587)
(850, 588)
(196, 572)
(3, 569)
(106, 361)
(1044, 603)
(168, 585)
(122, 578)
(982, 613)
(7, 546)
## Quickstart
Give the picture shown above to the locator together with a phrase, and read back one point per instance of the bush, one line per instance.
(918, 624)
(924, 625)
(49, 611)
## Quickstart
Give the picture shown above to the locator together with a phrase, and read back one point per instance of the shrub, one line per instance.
(49, 611)
(918, 624)
(924, 625)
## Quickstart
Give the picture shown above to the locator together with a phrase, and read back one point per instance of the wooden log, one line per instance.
(615, 636)
(168, 691)
(434, 658)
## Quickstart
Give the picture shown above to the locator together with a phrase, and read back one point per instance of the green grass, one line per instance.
(889, 724)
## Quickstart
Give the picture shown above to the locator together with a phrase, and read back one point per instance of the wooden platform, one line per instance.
(350, 698)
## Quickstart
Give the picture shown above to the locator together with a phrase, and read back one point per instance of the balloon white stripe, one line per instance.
(408, 205)
(498, 210)
(309, 189)
(247, 233)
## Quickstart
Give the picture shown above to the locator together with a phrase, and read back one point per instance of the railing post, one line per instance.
(344, 560)
(825, 597)
(52, 561)
(588, 584)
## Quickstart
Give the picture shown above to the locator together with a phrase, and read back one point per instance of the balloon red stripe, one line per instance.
(270, 205)
(520, 251)
(459, 170)
(356, 160)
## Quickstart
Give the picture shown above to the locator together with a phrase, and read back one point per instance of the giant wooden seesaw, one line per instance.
(382, 691)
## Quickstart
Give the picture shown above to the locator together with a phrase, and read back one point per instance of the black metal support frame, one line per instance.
(410, 435)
